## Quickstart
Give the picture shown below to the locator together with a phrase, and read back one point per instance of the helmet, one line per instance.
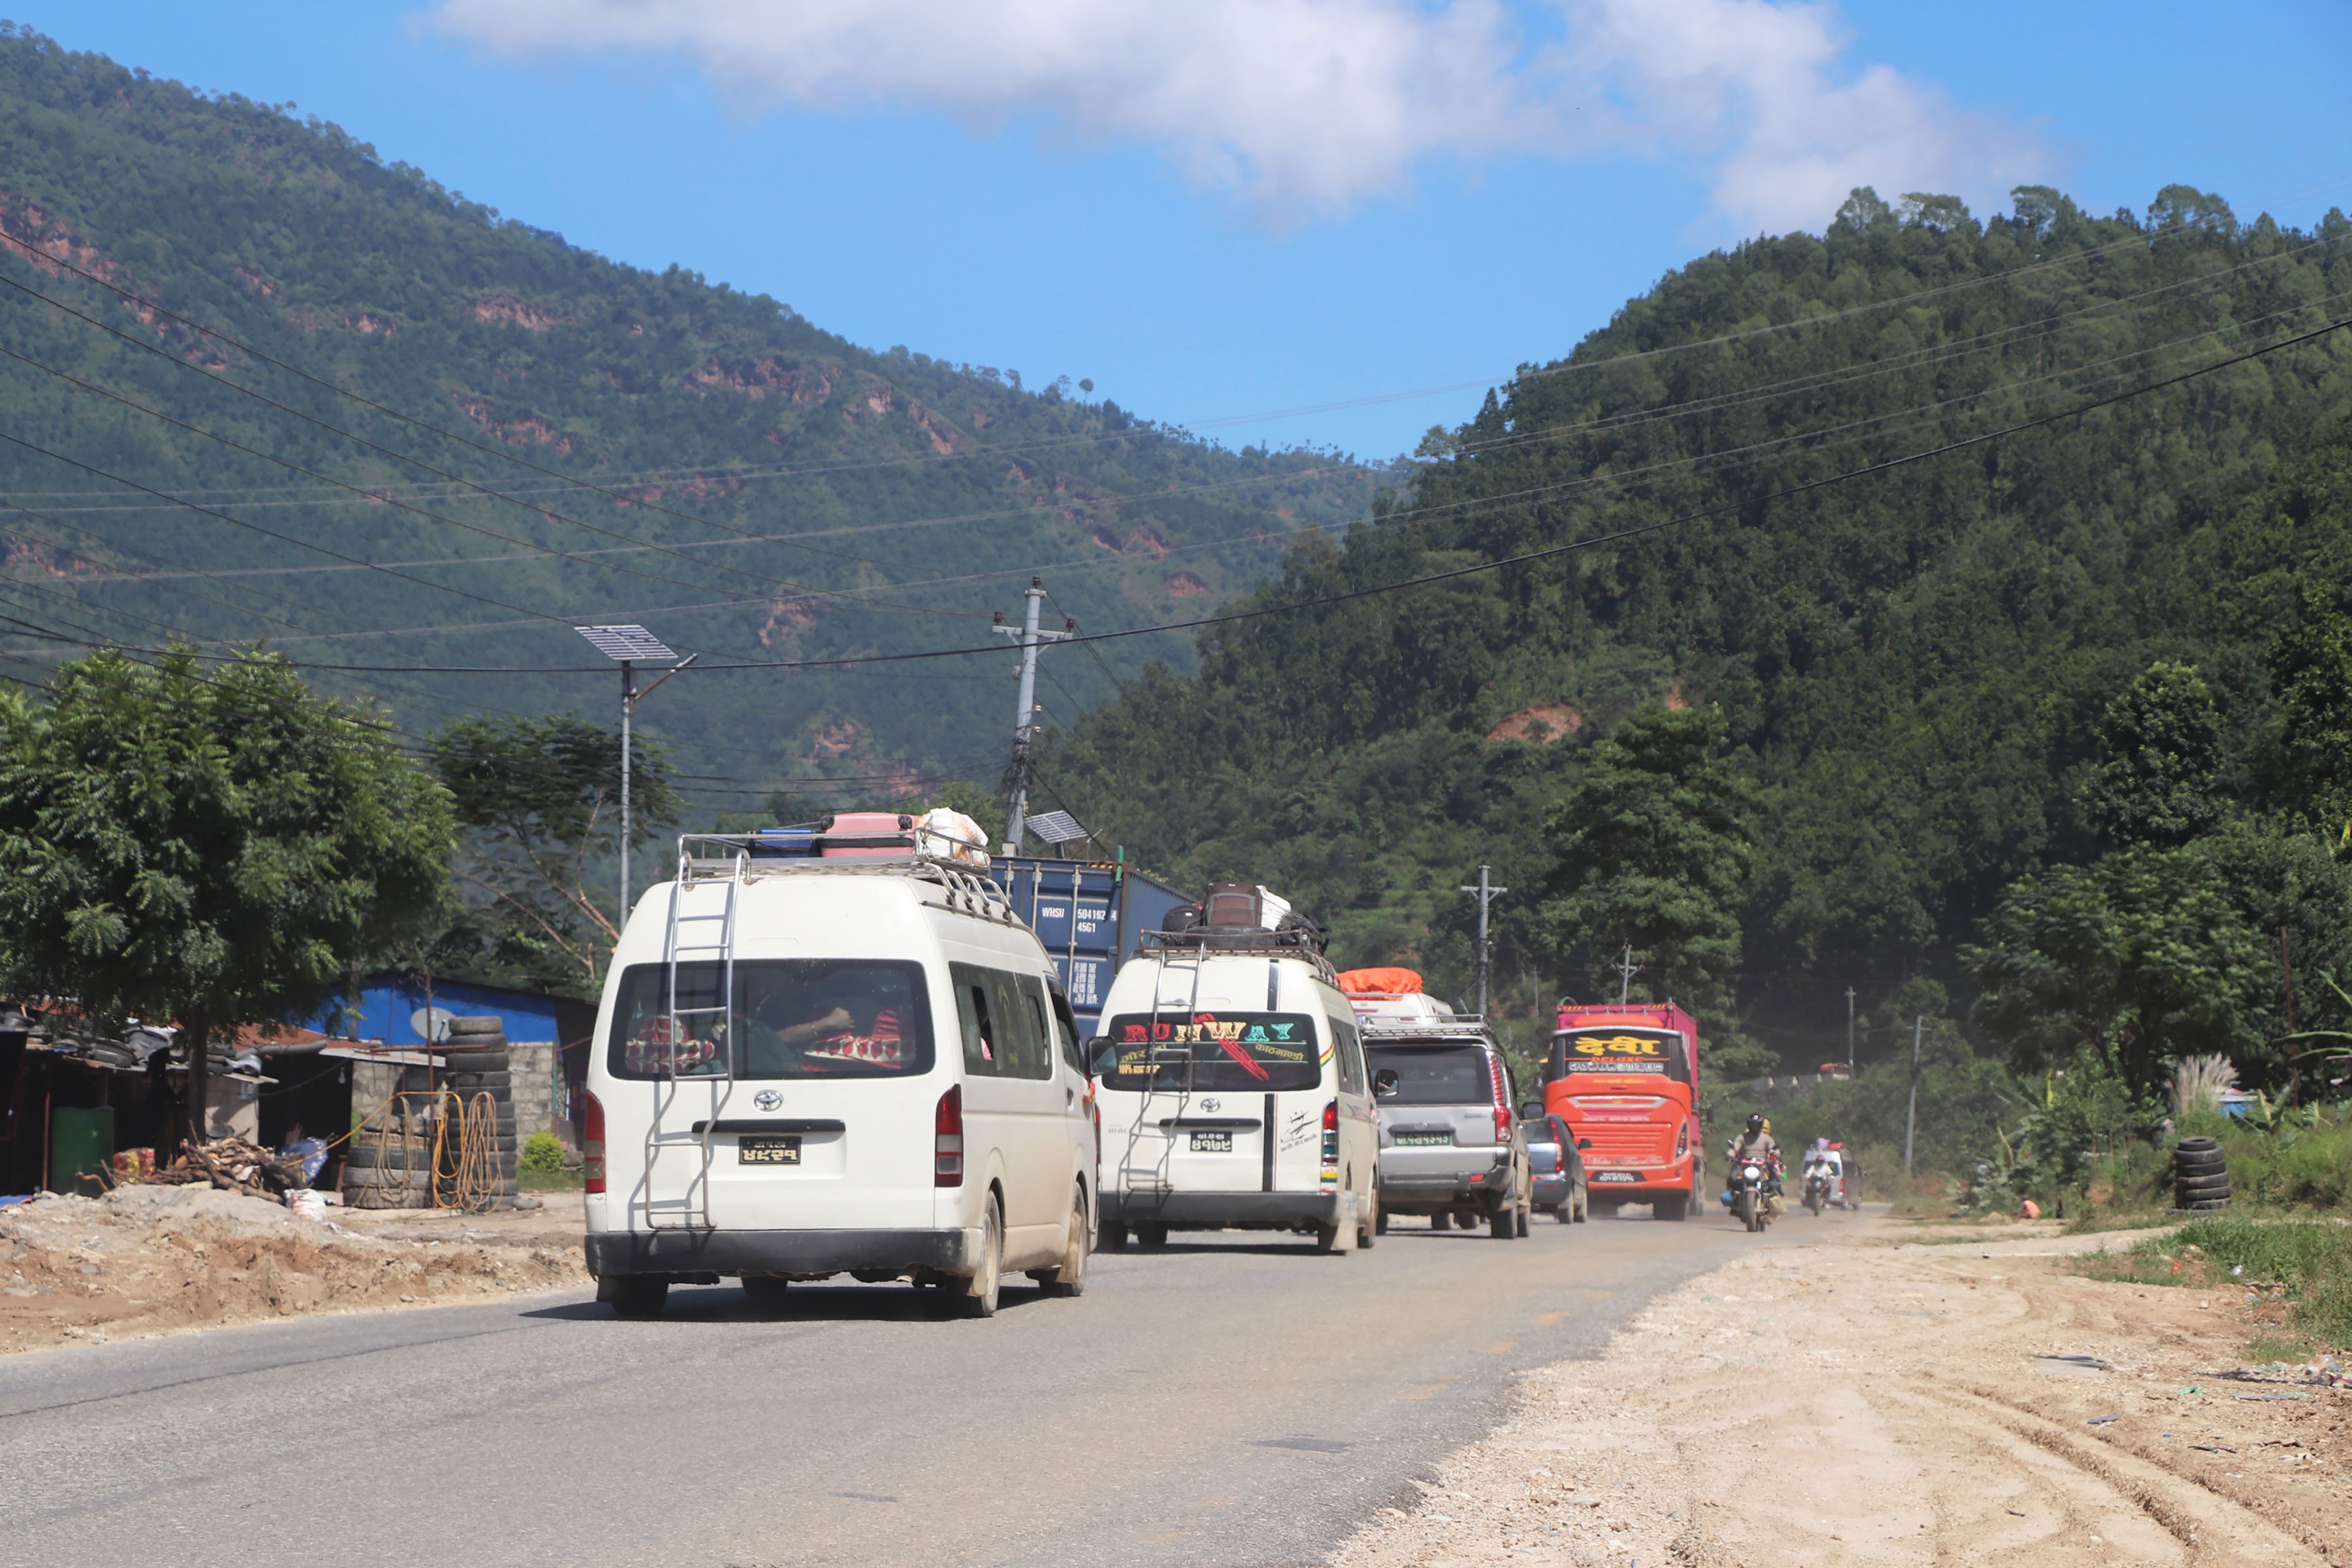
(1756, 1121)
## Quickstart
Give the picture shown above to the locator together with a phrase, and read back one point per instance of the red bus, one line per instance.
(1625, 1079)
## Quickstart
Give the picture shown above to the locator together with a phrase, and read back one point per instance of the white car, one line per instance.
(806, 1066)
(1232, 1092)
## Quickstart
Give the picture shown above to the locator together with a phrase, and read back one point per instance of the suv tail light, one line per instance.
(1502, 1098)
(947, 1140)
(591, 1143)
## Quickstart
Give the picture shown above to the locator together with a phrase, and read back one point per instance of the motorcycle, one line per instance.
(1754, 1185)
(1818, 1187)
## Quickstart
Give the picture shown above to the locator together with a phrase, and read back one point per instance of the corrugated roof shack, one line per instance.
(410, 1012)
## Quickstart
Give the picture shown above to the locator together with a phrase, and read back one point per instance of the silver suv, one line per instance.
(1451, 1146)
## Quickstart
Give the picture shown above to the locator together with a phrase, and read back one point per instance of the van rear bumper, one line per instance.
(1275, 1210)
(614, 1252)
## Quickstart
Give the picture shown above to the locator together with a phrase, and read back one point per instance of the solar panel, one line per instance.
(1056, 827)
(625, 643)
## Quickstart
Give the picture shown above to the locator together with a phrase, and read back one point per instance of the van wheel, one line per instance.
(765, 1289)
(634, 1295)
(1440, 1220)
(1327, 1238)
(1151, 1234)
(1070, 1278)
(981, 1292)
(1111, 1239)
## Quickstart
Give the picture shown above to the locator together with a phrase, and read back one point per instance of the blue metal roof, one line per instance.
(392, 1008)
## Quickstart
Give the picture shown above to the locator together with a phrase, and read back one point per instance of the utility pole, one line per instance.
(1487, 894)
(1911, 1116)
(1025, 716)
(625, 646)
(1849, 1031)
(1626, 969)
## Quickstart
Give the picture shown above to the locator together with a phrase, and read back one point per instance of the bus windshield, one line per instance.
(1656, 1052)
(1208, 1051)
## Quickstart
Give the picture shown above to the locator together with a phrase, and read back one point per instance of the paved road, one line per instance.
(1235, 1401)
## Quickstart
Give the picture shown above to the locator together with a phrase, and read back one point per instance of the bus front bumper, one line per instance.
(811, 1252)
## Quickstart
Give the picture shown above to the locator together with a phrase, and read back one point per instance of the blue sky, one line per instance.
(1316, 222)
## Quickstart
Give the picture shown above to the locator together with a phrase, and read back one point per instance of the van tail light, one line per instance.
(947, 1140)
(1331, 1116)
(1502, 1098)
(1330, 1144)
(591, 1143)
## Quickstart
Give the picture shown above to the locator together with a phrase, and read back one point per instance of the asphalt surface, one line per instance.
(1234, 1400)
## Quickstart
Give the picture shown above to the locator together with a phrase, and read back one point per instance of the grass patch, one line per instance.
(2309, 1260)
(548, 1181)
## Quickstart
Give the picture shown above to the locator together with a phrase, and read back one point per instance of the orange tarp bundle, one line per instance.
(1379, 982)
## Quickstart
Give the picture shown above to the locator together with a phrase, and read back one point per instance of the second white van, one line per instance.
(1232, 1089)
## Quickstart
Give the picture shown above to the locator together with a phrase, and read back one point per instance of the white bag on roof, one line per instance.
(943, 831)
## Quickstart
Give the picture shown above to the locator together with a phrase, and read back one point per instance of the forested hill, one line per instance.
(765, 491)
(1910, 664)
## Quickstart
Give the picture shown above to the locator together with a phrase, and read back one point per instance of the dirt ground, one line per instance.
(1873, 1400)
(142, 1261)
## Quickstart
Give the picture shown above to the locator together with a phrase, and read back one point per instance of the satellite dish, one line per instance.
(431, 1023)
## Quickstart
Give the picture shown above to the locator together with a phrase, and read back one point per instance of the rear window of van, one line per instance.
(791, 1019)
(1436, 1075)
(1207, 1052)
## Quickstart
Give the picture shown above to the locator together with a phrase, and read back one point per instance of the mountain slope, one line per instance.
(763, 490)
(1909, 661)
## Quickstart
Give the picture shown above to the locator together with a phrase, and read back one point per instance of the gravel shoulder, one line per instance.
(1872, 1399)
(143, 1261)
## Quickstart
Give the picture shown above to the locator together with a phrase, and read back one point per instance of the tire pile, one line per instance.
(2200, 1179)
(452, 1146)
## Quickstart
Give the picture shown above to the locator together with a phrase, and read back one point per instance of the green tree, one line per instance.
(2144, 957)
(1654, 848)
(215, 849)
(2160, 761)
(540, 800)
(2310, 666)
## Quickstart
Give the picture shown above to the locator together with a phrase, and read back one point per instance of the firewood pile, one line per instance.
(231, 1163)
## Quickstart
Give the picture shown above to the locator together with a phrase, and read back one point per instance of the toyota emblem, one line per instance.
(768, 1098)
(1213, 1103)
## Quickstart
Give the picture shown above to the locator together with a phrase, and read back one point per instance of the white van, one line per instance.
(1232, 1090)
(804, 1066)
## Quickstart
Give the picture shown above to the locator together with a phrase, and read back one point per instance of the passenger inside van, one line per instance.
(793, 1018)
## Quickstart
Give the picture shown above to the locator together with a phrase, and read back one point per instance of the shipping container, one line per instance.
(1090, 914)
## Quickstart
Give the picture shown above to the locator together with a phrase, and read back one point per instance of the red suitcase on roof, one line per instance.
(867, 835)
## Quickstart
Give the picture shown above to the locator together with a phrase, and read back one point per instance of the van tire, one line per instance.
(634, 1295)
(1381, 1223)
(1151, 1236)
(1111, 1239)
(1373, 1229)
(1440, 1220)
(1070, 1278)
(1327, 1238)
(987, 1281)
(767, 1289)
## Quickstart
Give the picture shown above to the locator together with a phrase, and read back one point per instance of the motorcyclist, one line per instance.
(1756, 1147)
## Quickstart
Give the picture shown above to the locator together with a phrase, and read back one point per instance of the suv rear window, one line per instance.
(792, 1018)
(1605, 1050)
(1435, 1075)
(1208, 1052)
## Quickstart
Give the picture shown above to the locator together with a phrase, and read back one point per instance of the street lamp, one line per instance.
(627, 646)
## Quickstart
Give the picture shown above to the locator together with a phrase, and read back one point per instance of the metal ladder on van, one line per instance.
(686, 939)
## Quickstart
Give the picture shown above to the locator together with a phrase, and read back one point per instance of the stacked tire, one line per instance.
(385, 1170)
(476, 1052)
(2200, 1179)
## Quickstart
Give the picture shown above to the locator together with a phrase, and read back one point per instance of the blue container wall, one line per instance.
(1089, 916)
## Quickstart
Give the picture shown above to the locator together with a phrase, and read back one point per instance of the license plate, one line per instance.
(1212, 1143)
(768, 1150)
(1613, 1176)
(1423, 1140)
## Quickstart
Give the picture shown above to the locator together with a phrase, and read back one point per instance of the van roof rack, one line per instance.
(1429, 1025)
(1240, 941)
(728, 857)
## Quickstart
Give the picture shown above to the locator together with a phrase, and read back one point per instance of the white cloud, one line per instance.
(1302, 107)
